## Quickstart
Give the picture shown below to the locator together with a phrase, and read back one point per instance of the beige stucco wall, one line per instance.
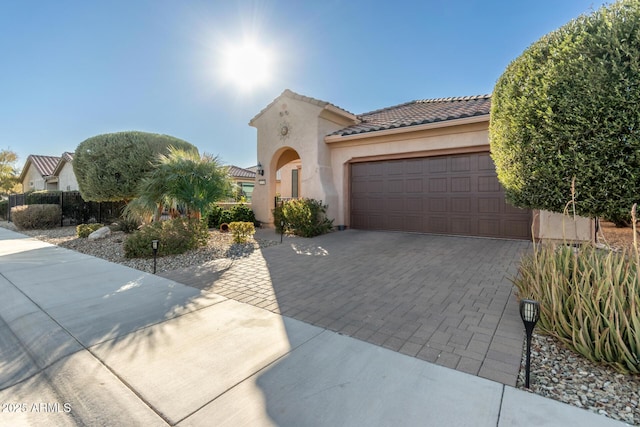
(285, 187)
(32, 176)
(306, 136)
(67, 179)
(559, 227)
(467, 137)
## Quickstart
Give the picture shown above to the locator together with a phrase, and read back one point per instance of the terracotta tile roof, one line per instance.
(67, 157)
(45, 165)
(291, 94)
(420, 112)
(238, 172)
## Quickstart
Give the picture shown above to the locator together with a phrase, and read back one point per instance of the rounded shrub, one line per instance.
(36, 217)
(569, 107)
(303, 217)
(84, 230)
(176, 236)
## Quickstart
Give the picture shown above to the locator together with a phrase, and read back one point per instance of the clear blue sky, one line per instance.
(70, 70)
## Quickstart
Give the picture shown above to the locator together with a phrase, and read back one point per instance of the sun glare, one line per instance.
(246, 65)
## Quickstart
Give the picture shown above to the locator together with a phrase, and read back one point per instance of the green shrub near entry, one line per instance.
(589, 300)
(303, 217)
(213, 217)
(241, 231)
(83, 230)
(237, 213)
(242, 213)
(176, 236)
(36, 217)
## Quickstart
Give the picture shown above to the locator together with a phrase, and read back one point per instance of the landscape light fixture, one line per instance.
(259, 169)
(154, 246)
(281, 229)
(530, 314)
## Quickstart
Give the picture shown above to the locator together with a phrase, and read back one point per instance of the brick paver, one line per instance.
(447, 300)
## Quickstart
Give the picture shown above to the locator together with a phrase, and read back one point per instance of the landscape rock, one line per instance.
(100, 233)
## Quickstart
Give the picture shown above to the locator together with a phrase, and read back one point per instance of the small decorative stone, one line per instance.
(100, 233)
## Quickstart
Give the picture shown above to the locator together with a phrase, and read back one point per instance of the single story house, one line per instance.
(244, 179)
(422, 166)
(48, 173)
(64, 171)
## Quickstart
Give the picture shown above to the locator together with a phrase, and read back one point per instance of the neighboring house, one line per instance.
(422, 166)
(48, 173)
(64, 171)
(244, 179)
(37, 173)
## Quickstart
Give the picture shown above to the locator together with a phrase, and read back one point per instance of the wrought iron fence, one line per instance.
(74, 209)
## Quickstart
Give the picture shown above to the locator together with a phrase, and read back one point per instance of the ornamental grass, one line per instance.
(589, 299)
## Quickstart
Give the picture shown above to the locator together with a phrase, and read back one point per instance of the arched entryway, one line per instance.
(288, 175)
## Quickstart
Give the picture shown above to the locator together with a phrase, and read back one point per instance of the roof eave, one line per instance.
(406, 129)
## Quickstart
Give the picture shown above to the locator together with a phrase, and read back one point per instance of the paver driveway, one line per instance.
(444, 299)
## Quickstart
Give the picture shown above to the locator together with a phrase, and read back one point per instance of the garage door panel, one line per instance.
(489, 227)
(396, 222)
(395, 168)
(461, 225)
(437, 185)
(413, 185)
(436, 165)
(395, 186)
(489, 205)
(460, 164)
(438, 204)
(415, 167)
(435, 224)
(461, 184)
(413, 204)
(457, 194)
(488, 184)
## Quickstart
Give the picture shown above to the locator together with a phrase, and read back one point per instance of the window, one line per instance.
(294, 183)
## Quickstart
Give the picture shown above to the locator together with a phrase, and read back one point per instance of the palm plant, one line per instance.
(181, 179)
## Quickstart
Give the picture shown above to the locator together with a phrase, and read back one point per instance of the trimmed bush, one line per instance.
(242, 231)
(303, 217)
(569, 107)
(176, 236)
(589, 300)
(242, 213)
(83, 230)
(43, 197)
(238, 213)
(36, 217)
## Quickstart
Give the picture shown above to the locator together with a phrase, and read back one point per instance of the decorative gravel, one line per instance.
(111, 248)
(556, 372)
(563, 375)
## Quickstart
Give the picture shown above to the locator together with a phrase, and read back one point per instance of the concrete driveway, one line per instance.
(446, 300)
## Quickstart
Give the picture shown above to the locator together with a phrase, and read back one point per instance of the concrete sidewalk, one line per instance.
(87, 342)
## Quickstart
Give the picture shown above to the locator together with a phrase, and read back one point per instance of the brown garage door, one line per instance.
(457, 194)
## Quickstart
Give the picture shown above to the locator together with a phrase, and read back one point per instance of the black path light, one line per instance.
(154, 246)
(281, 229)
(530, 314)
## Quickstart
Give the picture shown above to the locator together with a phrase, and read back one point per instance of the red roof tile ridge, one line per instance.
(294, 95)
(454, 98)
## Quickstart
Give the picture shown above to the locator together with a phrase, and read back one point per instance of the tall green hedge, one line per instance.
(568, 107)
(109, 167)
